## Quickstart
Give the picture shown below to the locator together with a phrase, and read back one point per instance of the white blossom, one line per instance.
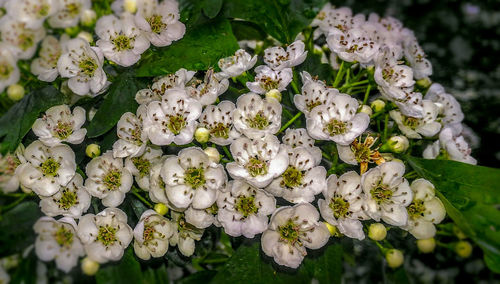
(152, 234)
(340, 18)
(256, 117)
(157, 187)
(177, 80)
(207, 91)
(314, 93)
(278, 58)
(424, 211)
(71, 200)
(387, 193)
(173, 119)
(83, 65)
(337, 121)
(219, 122)
(191, 178)
(267, 79)
(450, 111)
(9, 179)
(185, 235)
(140, 166)
(131, 137)
(353, 45)
(20, 40)
(415, 55)
(294, 138)
(106, 235)
(69, 13)
(257, 161)
(120, 40)
(392, 78)
(45, 65)
(202, 218)
(57, 240)
(9, 72)
(244, 209)
(31, 12)
(59, 124)
(343, 204)
(415, 128)
(302, 179)
(46, 168)
(291, 231)
(451, 146)
(235, 65)
(160, 21)
(108, 179)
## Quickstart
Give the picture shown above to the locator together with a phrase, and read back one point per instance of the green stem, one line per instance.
(289, 123)
(228, 154)
(339, 76)
(367, 93)
(136, 193)
(345, 86)
(386, 123)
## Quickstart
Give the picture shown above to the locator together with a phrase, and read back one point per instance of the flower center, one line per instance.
(220, 130)
(246, 205)
(195, 177)
(26, 40)
(63, 130)
(381, 193)
(50, 167)
(87, 66)
(292, 177)
(68, 199)
(268, 83)
(289, 232)
(41, 10)
(5, 70)
(362, 152)
(176, 124)
(64, 237)
(411, 122)
(256, 167)
(142, 165)
(156, 24)
(340, 207)
(107, 235)
(259, 121)
(148, 234)
(73, 9)
(416, 209)
(123, 42)
(335, 127)
(112, 180)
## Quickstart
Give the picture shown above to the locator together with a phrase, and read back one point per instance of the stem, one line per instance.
(367, 93)
(14, 204)
(386, 122)
(228, 154)
(136, 193)
(289, 122)
(339, 76)
(354, 84)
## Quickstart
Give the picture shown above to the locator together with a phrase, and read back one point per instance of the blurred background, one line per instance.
(462, 40)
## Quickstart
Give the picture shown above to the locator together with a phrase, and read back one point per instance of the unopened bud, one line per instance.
(377, 105)
(213, 154)
(88, 17)
(202, 135)
(366, 109)
(130, 6)
(15, 92)
(463, 249)
(275, 94)
(161, 208)
(427, 245)
(72, 31)
(396, 144)
(86, 36)
(395, 258)
(89, 267)
(377, 232)
(93, 150)
(424, 83)
(460, 235)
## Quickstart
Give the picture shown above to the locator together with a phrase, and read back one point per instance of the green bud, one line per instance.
(93, 150)
(275, 94)
(161, 208)
(463, 249)
(424, 83)
(202, 135)
(395, 258)
(396, 144)
(377, 232)
(89, 267)
(88, 18)
(427, 245)
(15, 92)
(366, 109)
(377, 105)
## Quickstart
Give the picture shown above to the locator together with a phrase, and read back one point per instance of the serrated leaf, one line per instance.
(127, 270)
(200, 49)
(471, 196)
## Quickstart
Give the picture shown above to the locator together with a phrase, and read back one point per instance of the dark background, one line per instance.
(462, 40)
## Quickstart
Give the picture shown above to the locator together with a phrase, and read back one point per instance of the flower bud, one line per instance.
(202, 135)
(130, 6)
(15, 92)
(427, 245)
(377, 232)
(88, 18)
(396, 144)
(275, 94)
(460, 235)
(366, 109)
(89, 267)
(161, 208)
(332, 229)
(377, 105)
(72, 31)
(93, 150)
(463, 249)
(86, 36)
(213, 154)
(395, 258)
(424, 83)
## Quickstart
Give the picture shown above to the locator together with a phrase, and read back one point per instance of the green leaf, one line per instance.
(17, 122)
(158, 275)
(128, 270)
(201, 48)
(16, 227)
(212, 7)
(313, 66)
(119, 100)
(199, 277)
(283, 20)
(471, 196)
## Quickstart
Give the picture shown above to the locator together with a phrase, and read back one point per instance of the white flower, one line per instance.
(46, 168)
(59, 125)
(392, 78)
(69, 13)
(268, 79)
(337, 121)
(185, 235)
(255, 117)
(9, 72)
(160, 21)
(411, 104)
(45, 66)
(299, 138)
(83, 65)
(415, 55)
(387, 193)
(173, 119)
(19, 39)
(219, 122)
(202, 218)
(151, 235)
(120, 40)
(340, 18)
(108, 179)
(425, 210)
(191, 178)
(278, 59)
(361, 152)
(313, 94)
(106, 235)
(343, 204)
(291, 231)
(352, 45)
(452, 146)
(413, 127)
(156, 184)
(31, 12)
(243, 209)
(9, 179)
(207, 91)
(235, 65)
(177, 80)
(450, 111)
(140, 166)
(257, 161)
(57, 240)
(302, 179)
(132, 139)
(71, 200)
